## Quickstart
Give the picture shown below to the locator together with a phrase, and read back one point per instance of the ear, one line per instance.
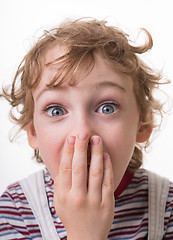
(144, 133)
(31, 134)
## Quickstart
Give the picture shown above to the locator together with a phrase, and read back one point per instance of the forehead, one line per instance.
(54, 52)
(102, 71)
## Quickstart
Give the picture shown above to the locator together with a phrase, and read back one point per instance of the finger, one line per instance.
(96, 169)
(79, 164)
(108, 179)
(65, 167)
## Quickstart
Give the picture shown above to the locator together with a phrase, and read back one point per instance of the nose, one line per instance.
(84, 123)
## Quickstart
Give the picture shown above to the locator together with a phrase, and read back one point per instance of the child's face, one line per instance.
(102, 104)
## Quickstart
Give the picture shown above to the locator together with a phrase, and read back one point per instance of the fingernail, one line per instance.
(95, 140)
(71, 140)
(82, 136)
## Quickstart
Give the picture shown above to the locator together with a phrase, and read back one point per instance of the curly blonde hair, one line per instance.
(81, 39)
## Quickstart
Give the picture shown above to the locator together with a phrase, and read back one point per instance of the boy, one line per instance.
(87, 104)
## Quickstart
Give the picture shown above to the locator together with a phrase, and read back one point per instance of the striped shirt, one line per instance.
(17, 220)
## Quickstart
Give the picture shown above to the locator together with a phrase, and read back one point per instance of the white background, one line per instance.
(21, 22)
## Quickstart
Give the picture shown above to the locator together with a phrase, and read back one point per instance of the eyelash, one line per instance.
(114, 105)
(53, 107)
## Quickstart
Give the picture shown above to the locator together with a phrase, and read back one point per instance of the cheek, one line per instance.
(51, 156)
(50, 144)
(121, 149)
(120, 146)
(121, 138)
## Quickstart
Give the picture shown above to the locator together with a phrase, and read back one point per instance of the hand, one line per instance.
(85, 202)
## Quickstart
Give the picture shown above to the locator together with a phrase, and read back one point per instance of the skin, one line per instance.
(93, 125)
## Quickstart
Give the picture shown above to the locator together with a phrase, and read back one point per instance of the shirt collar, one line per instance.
(124, 183)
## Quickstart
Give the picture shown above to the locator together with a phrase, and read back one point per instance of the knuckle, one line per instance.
(79, 200)
(78, 169)
(108, 182)
(96, 172)
(66, 169)
(96, 202)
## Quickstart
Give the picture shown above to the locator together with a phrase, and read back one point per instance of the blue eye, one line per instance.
(108, 108)
(55, 111)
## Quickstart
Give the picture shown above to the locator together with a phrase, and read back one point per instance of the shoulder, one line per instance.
(160, 198)
(139, 181)
(169, 214)
(154, 186)
(13, 203)
(143, 176)
(13, 195)
(16, 211)
(14, 208)
(140, 176)
(14, 192)
(153, 182)
(169, 203)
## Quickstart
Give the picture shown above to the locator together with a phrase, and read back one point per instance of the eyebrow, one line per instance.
(48, 89)
(104, 84)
